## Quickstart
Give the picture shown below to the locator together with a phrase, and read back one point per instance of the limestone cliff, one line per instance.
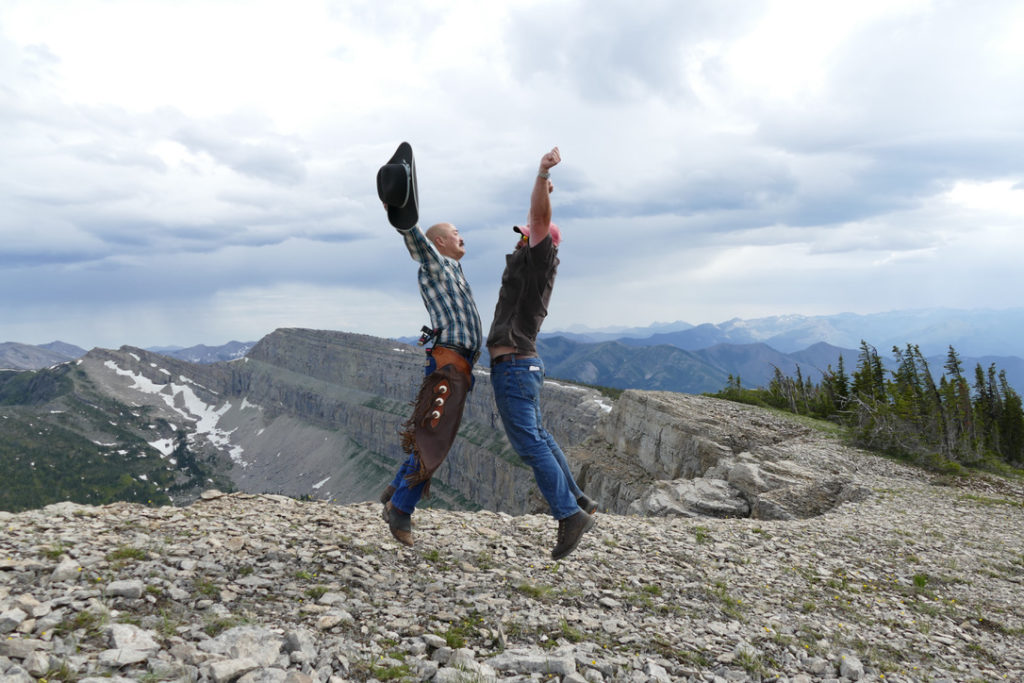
(317, 413)
(662, 453)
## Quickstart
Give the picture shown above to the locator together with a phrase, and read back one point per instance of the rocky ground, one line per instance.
(921, 581)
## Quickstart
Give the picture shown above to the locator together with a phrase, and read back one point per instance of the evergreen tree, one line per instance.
(1011, 424)
(869, 378)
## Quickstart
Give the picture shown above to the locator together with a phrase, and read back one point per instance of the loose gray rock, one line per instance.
(67, 570)
(11, 619)
(532, 661)
(851, 668)
(131, 637)
(131, 589)
(16, 674)
(275, 676)
(227, 670)
(704, 599)
(115, 659)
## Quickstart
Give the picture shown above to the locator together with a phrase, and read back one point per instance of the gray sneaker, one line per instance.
(570, 531)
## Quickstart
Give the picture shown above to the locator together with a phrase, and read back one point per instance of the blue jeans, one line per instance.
(405, 497)
(517, 386)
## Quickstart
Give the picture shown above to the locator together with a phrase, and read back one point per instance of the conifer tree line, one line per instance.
(904, 411)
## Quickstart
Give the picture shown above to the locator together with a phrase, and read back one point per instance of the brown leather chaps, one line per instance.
(437, 413)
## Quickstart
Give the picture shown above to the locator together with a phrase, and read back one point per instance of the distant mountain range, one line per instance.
(665, 367)
(976, 332)
(201, 353)
(15, 356)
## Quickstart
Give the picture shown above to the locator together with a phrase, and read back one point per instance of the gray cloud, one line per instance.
(612, 51)
(689, 190)
(254, 153)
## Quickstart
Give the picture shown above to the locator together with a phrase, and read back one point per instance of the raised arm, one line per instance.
(540, 200)
(420, 248)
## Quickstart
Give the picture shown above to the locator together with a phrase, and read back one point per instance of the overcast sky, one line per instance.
(179, 172)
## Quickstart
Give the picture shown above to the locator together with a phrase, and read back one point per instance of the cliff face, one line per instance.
(318, 413)
(662, 453)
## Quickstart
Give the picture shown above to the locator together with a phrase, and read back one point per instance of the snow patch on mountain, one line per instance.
(184, 401)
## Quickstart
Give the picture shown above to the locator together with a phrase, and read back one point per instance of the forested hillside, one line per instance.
(965, 418)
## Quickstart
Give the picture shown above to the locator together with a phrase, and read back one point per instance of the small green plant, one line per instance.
(457, 633)
(390, 673)
(651, 588)
(316, 592)
(54, 551)
(214, 626)
(484, 560)
(730, 605)
(702, 534)
(168, 624)
(60, 673)
(539, 592)
(573, 635)
(206, 588)
(750, 662)
(90, 622)
(303, 575)
(121, 556)
(127, 552)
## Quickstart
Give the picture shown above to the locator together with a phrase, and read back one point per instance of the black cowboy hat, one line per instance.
(396, 187)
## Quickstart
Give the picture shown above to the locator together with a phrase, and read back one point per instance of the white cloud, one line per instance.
(1002, 198)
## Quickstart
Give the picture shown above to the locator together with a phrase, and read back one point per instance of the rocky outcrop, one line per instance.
(661, 453)
(261, 588)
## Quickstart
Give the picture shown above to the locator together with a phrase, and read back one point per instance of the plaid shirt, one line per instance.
(445, 293)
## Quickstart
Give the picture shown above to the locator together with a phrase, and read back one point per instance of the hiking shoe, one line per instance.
(570, 531)
(587, 504)
(399, 522)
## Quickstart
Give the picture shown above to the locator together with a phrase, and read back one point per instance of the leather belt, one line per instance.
(470, 356)
(444, 356)
(505, 357)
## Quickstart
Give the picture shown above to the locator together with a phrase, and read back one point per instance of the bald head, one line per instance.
(445, 237)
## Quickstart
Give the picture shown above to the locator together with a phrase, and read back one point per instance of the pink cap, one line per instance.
(556, 234)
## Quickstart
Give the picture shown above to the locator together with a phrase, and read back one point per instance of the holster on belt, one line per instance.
(437, 413)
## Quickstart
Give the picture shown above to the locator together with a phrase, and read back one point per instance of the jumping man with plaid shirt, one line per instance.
(457, 333)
